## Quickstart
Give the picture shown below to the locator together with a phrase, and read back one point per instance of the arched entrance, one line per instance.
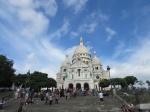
(70, 86)
(78, 86)
(86, 86)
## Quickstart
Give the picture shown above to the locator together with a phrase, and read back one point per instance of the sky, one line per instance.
(37, 34)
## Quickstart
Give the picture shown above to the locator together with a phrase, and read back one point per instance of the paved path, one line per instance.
(83, 104)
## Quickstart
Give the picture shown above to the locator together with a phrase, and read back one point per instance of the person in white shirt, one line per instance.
(2, 102)
(101, 97)
(50, 99)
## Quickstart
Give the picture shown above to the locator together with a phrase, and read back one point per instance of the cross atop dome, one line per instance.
(81, 41)
(94, 53)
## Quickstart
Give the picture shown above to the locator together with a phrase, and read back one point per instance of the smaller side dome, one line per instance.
(65, 62)
(95, 60)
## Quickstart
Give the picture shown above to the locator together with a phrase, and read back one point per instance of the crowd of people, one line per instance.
(52, 97)
(127, 107)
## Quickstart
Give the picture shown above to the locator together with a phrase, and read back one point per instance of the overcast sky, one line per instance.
(37, 34)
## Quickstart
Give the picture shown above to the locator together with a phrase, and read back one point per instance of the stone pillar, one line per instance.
(82, 86)
(114, 92)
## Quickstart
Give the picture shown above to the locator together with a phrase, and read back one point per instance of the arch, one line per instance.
(86, 86)
(78, 86)
(70, 86)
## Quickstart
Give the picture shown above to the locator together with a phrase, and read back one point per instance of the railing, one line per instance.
(8, 96)
(135, 96)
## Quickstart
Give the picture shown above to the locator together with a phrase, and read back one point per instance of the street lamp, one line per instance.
(108, 69)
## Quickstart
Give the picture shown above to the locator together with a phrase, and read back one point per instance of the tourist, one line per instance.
(26, 98)
(123, 107)
(131, 107)
(42, 95)
(80, 92)
(56, 98)
(74, 92)
(2, 103)
(101, 97)
(47, 96)
(21, 108)
(68, 93)
(38, 94)
(50, 99)
(65, 93)
(32, 94)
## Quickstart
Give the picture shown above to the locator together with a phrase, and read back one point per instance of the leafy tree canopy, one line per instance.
(6, 71)
(124, 83)
(116, 81)
(34, 80)
(130, 80)
(148, 82)
(104, 83)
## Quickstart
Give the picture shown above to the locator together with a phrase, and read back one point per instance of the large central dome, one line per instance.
(81, 49)
(81, 52)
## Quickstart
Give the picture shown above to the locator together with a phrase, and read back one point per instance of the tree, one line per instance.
(124, 84)
(104, 83)
(37, 80)
(141, 83)
(148, 83)
(20, 79)
(116, 81)
(50, 82)
(130, 80)
(6, 71)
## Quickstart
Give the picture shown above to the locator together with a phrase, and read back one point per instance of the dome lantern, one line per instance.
(66, 61)
(95, 60)
(81, 41)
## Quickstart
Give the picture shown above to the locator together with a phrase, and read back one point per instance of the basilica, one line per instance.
(84, 72)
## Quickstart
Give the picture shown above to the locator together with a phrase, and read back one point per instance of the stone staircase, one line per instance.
(78, 104)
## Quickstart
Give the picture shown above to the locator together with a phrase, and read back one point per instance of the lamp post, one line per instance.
(108, 69)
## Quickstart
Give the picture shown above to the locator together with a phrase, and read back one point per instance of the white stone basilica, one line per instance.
(84, 72)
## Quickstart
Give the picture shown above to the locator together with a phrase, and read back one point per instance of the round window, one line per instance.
(97, 77)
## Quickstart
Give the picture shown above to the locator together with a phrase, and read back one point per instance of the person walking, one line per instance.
(56, 98)
(50, 99)
(47, 95)
(2, 102)
(21, 108)
(101, 97)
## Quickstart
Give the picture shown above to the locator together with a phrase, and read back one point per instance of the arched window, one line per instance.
(96, 68)
(79, 72)
(64, 70)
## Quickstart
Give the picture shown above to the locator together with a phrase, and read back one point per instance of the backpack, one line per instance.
(20, 109)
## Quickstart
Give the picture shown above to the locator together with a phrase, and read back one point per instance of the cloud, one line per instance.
(125, 14)
(98, 15)
(110, 33)
(74, 34)
(88, 28)
(77, 5)
(49, 6)
(91, 23)
(24, 19)
(35, 22)
(136, 63)
(33, 26)
(122, 49)
(61, 31)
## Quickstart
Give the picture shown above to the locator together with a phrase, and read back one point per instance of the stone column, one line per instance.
(114, 92)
